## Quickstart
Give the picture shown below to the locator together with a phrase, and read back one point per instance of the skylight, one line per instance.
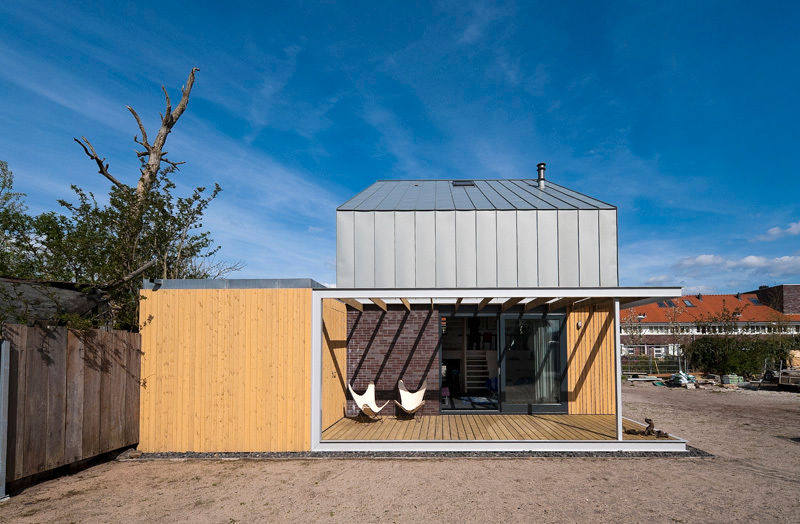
(463, 183)
(688, 303)
(755, 301)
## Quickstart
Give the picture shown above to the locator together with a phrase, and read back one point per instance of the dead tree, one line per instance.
(153, 153)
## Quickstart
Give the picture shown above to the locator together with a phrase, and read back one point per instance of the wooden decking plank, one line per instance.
(355, 431)
(604, 427)
(526, 425)
(467, 427)
(499, 427)
(455, 431)
(512, 429)
(430, 431)
(418, 423)
(476, 430)
(540, 430)
(484, 427)
(372, 430)
(572, 427)
(487, 428)
(337, 427)
(528, 429)
(389, 427)
(552, 431)
(447, 432)
(477, 427)
(512, 433)
(408, 428)
(456, 426)
(463, 433)
(566, 427)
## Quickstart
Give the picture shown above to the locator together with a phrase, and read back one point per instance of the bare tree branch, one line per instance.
(143, 143)
(155, 152)
(103, 167)
(170, 162)
(130, 276)
(169, 104)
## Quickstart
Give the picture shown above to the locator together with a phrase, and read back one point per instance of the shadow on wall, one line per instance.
(582, 362)
(386, 346)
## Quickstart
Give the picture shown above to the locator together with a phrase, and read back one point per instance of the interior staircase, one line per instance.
(477, 371)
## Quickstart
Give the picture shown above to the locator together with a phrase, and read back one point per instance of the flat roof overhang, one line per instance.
(628, 296)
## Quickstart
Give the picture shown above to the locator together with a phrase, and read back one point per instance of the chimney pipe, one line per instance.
(540, 168)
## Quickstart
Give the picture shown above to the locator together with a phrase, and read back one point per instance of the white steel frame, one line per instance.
(449, 295)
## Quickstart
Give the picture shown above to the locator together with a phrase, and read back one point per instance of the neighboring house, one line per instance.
(660, 329)
(500, 296)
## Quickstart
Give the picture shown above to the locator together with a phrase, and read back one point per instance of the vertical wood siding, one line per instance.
(334, 362)
(590, 360)
(226, 370)
(72, 395)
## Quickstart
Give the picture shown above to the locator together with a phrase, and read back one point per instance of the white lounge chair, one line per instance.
(366, 402)
(411, 402)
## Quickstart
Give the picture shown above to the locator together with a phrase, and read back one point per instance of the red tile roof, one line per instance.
(708, 305)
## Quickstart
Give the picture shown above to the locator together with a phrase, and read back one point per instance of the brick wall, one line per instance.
(383, 347)
(791, 299)
(785, 298)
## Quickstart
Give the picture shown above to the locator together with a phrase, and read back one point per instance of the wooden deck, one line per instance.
(484, 427)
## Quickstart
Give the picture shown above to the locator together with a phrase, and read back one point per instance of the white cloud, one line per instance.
(784, 266)
(701, 261)
(660, 280)
(693, 290)
(775, 233)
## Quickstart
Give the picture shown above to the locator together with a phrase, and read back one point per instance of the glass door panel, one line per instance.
(531, 363)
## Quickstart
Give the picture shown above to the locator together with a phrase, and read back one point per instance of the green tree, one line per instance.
(144, 231)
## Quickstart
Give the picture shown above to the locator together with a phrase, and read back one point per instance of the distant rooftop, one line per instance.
(468, 195)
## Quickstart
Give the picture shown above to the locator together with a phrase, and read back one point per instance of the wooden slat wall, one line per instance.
(334, 361)
(72, 396)
(590, 360)
(226, 370)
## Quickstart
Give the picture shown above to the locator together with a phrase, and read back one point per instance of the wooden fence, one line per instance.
(72, 395)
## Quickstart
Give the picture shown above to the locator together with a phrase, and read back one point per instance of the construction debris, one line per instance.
(650, 430)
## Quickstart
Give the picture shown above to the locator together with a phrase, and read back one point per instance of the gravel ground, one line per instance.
(753, 475)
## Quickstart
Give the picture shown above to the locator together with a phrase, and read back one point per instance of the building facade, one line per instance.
(662, 328)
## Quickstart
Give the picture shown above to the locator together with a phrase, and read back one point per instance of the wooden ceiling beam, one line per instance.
(511, 302)
(484, 302)
(353, 303)
(405, 303)
(594, 301)
(561, 303)
(458, 305)
(536, 302)
(380, 303)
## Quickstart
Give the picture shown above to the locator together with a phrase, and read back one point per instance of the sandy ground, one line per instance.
(755, 475)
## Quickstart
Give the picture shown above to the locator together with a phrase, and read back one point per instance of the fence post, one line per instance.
(5, 359)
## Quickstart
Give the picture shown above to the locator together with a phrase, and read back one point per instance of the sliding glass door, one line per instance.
(532, 363)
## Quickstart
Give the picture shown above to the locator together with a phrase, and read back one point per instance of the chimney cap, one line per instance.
(540, 178)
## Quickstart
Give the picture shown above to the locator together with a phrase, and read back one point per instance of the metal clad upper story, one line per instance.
(442, 195)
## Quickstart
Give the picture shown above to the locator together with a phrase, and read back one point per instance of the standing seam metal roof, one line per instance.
(442, 195)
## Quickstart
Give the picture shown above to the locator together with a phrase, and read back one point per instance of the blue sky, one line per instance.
(685, 115)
